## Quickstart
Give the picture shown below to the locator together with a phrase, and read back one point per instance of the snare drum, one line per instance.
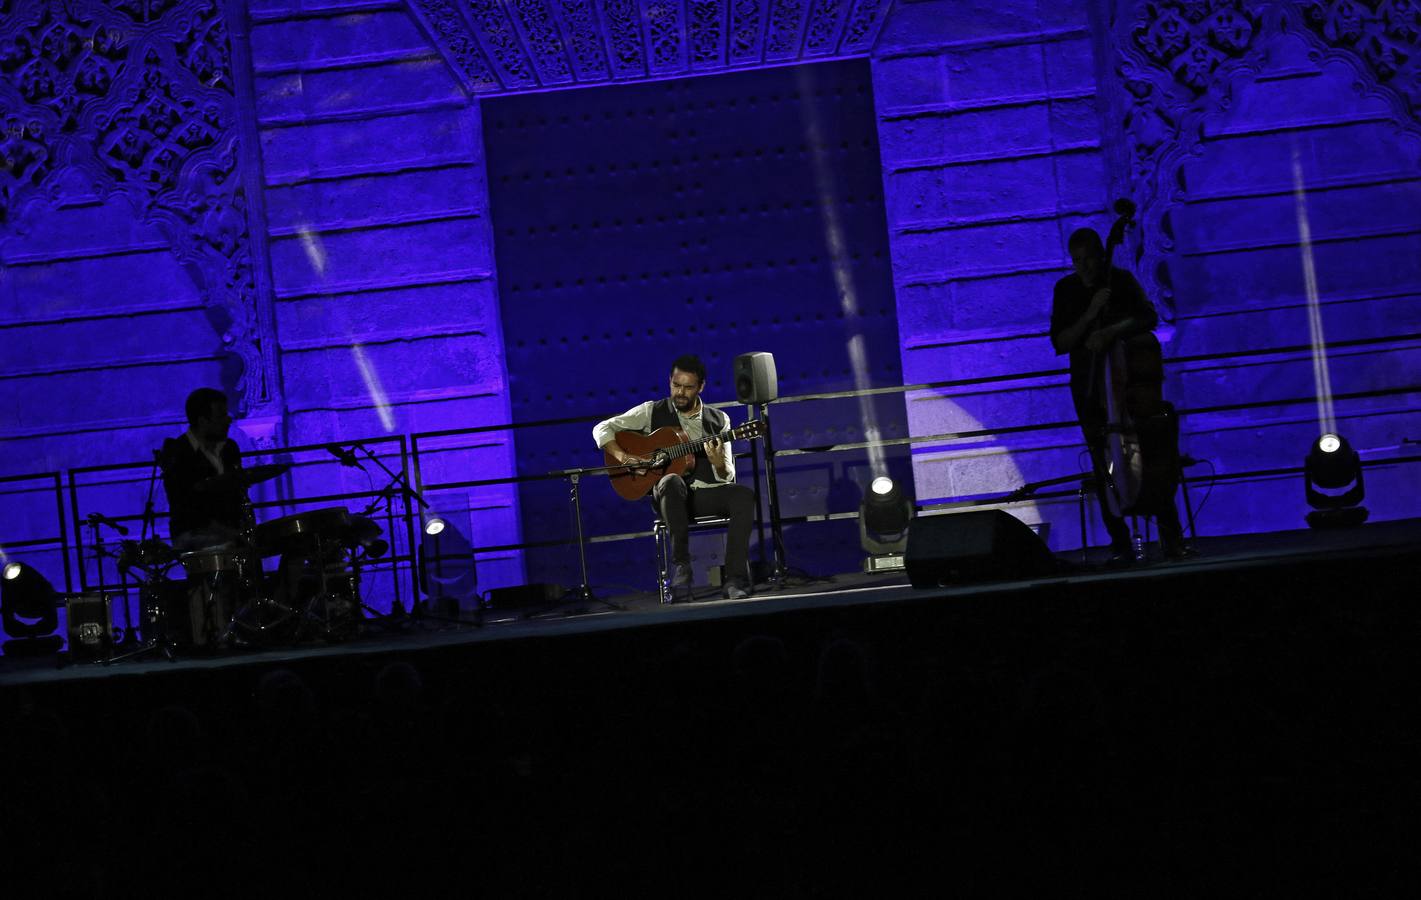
(211, 562)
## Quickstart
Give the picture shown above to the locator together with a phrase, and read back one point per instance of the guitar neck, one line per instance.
(695, 446)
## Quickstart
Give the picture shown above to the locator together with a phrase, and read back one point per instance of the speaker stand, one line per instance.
(779, 573)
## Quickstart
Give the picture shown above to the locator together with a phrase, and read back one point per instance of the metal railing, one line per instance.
(412, 449)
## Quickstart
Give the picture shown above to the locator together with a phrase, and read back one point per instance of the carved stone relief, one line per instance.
(1175, 60)
(623, 22)
(510, 45)
(785, 18)
(138, 96)
(452, 34)
(1383, 38)
(502, 43)
(584, 38)
(707, 34)
(745, 29)
(544, 43)
(663, 25)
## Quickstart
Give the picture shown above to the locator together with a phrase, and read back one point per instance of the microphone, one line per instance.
(346, 457)
(1185, 461)
(101, 519)
(1124, 207)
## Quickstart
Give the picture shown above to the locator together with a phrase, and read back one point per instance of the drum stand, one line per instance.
(160, 640)
(250, 602)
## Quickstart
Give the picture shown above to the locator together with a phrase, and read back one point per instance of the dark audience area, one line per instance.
(1161, 735)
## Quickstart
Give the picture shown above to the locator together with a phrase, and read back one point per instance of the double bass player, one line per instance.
(1093, 309)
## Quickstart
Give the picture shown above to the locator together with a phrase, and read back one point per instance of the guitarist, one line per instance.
(708, 489)
(1087, 317)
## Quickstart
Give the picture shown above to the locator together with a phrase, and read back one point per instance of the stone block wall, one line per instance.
(1274, 150)
(992, 155)
(381, 254)
(1005, 126)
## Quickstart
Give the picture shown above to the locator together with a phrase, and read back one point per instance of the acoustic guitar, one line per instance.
(670, 453)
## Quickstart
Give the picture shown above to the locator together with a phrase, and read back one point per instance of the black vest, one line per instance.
(713, 421)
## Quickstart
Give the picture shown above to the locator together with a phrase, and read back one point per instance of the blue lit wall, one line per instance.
(290, 199)
(715, 216)
(1006, 125)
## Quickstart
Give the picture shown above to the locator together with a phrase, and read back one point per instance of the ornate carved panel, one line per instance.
(451, 32)
(1175, 59)
(747, 29)
(863, 25)
(622, 19)
(496, 34)
(664, 30)
(782, 36)
(1381, 37)
(584, 39)
(509, 45)
(707, 32)
(826, 21)
(138, 97)
(545, 46)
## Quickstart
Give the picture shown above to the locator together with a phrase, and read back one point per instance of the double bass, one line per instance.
(1141, 432)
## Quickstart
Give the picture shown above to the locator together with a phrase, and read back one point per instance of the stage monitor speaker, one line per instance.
(755, 380)
(966, 547)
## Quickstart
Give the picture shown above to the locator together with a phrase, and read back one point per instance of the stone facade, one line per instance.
(288, 199)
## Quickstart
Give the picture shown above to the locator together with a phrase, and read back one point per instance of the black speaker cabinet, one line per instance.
(755, 380)
(966, 547)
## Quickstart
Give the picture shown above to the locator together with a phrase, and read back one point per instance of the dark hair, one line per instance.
(199, 403)
(1082, 237)
(691, 364)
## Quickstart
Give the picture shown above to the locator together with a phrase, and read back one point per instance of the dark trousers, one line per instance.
(678, 504)
(1166, 516)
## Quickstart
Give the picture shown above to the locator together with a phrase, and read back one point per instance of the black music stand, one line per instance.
(583, 592)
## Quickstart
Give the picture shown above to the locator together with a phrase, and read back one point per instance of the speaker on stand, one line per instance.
(756, 384)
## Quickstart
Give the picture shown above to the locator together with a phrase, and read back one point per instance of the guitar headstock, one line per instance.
(748, 431)
(1125, 212)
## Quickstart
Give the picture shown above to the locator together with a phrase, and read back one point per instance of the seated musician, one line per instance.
(203, 514)
(202, 517)
(708, 489)
(1087, 318)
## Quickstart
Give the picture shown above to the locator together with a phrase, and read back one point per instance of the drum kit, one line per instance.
(226, 597)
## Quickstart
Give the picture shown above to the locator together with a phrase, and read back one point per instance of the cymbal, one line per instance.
(333, 525)
(242, 478)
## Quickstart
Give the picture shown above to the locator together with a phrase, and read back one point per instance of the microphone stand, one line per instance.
(418, 611)
(1086, 479)
(149, 521)
(160, 640)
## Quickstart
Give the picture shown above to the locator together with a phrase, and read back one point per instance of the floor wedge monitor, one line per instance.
(968, 547)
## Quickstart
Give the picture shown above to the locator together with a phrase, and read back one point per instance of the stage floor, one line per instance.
(1220, 559)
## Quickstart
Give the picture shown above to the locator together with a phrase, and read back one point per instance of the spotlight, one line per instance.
(28, 611)
(1332, 479)
(883, 525)
(447, 576)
